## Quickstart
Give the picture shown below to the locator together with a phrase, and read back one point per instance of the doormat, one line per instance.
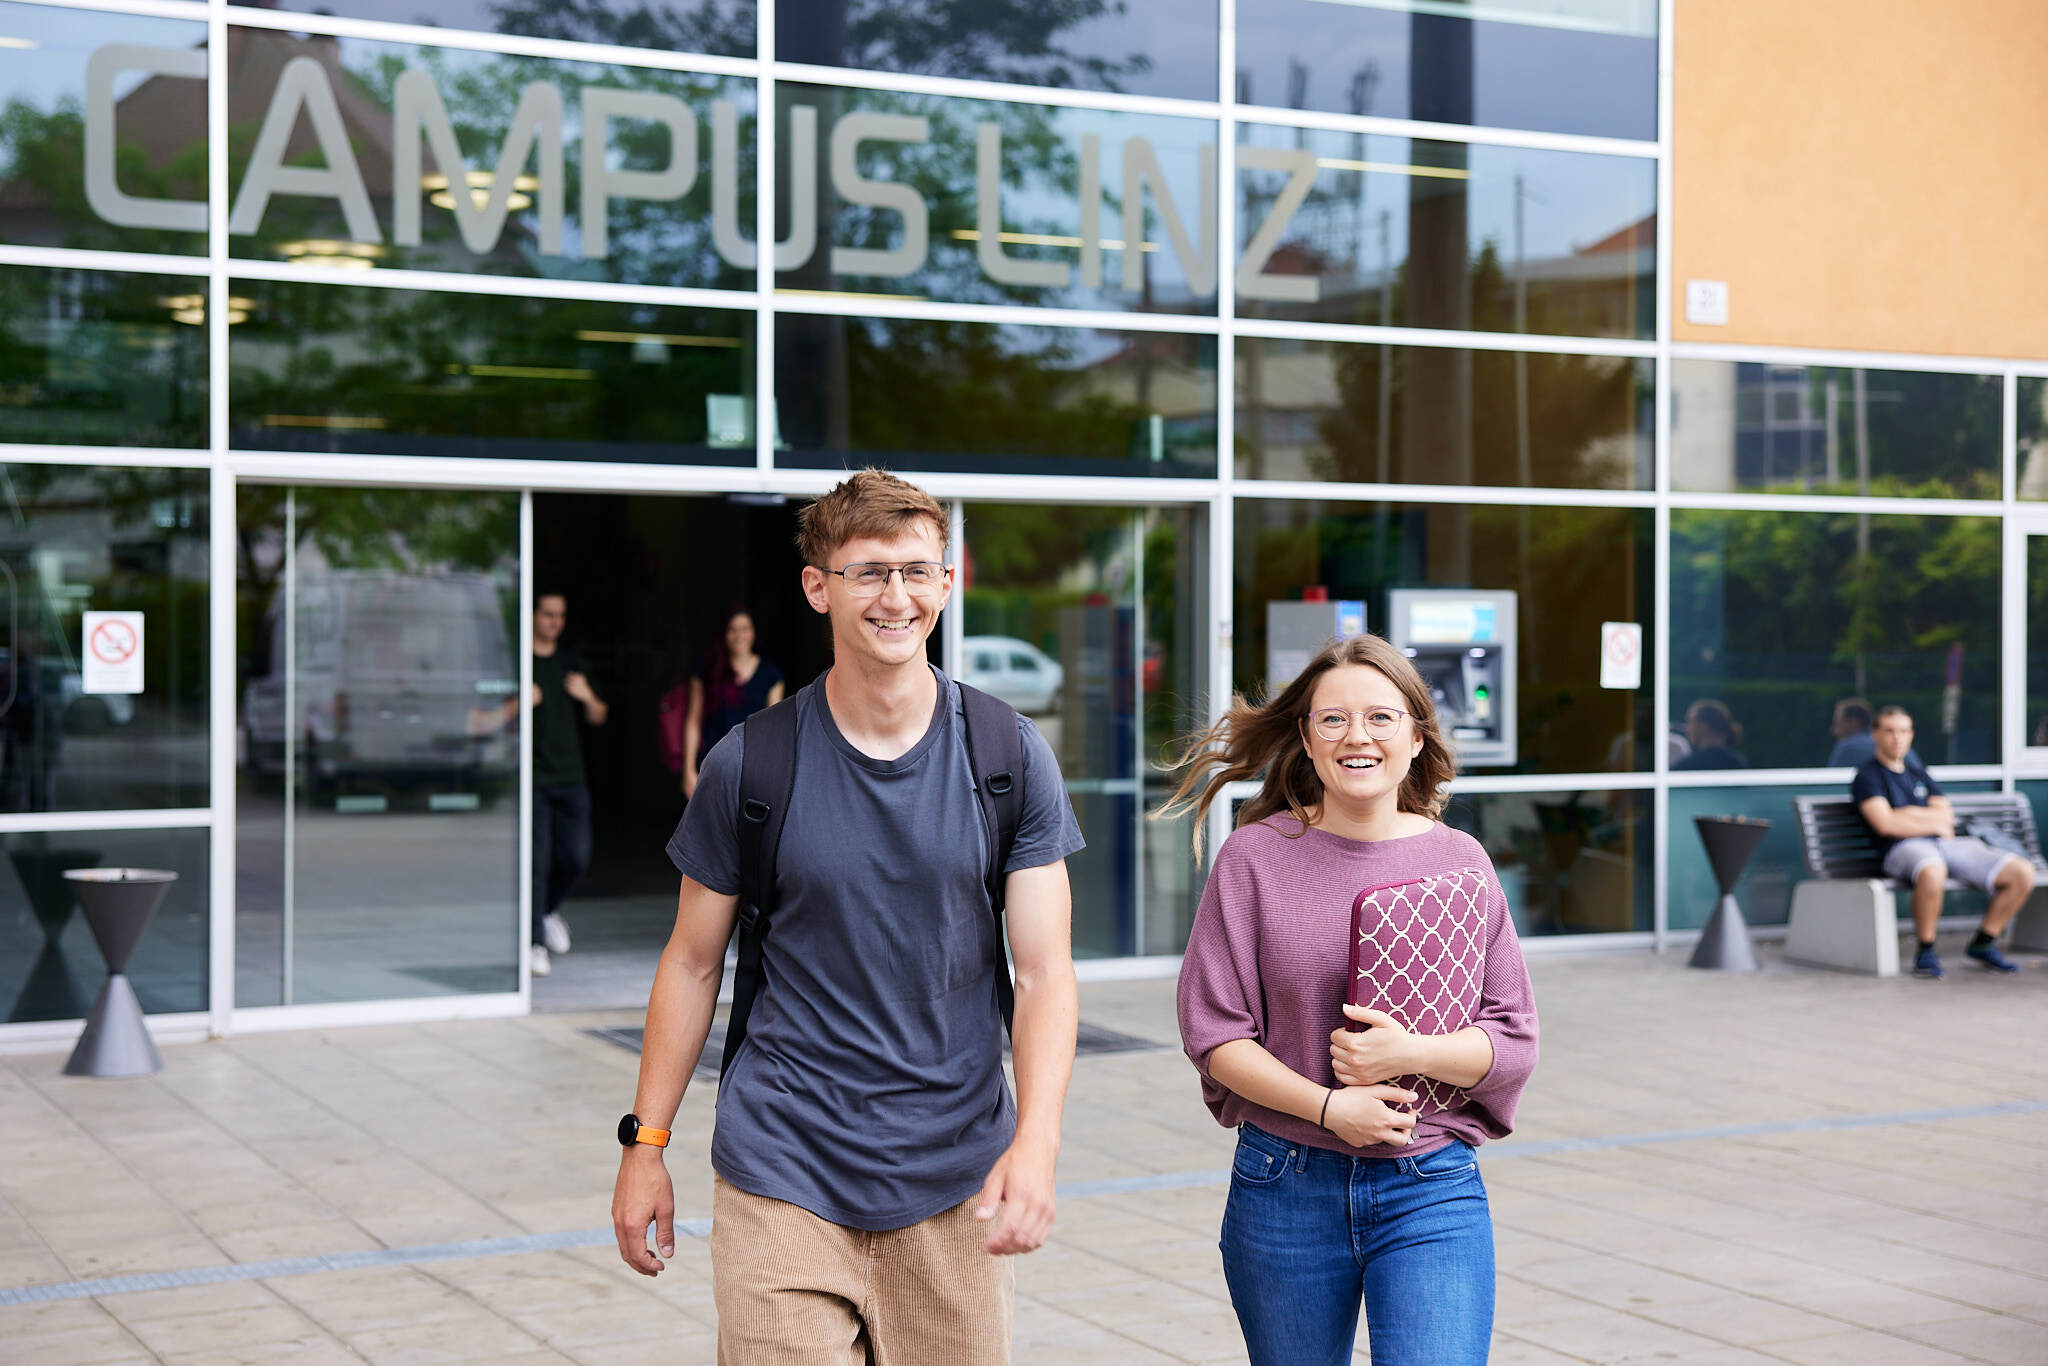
(1090, 1040)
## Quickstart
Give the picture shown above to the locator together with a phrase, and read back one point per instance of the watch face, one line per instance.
(629, 1129)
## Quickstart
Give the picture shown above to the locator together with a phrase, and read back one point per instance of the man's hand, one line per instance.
(579, 690)
(1365, 1115)
(1022, 1182)
(1377, 1054)
(644, 1193)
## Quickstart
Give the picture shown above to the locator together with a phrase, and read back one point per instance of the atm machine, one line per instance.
(1463, 642)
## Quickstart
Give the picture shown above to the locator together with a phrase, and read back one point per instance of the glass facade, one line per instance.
(990, 399)
(320, 366)
(1559, 66)
(1824, 429)
(1401, 232)
(1568, 568)
(475, 305)
(377, 780)
(1136, 47)
(1777, 615)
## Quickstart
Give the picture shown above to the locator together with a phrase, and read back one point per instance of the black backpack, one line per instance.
(995, 753)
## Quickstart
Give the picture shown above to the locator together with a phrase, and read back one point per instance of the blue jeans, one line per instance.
(1307, 1231)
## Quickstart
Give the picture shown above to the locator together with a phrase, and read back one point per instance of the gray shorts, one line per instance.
(1970, 861)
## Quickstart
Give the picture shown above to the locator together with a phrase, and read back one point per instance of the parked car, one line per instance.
(1015, 670)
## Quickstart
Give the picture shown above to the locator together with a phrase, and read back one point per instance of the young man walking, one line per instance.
(561, 798)
(1916, 836)
(872, 1170)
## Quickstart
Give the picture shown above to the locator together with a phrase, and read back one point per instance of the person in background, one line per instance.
(1714, 734)
(732, 684)
(1354, 1176)
(561, 798)
(1853, 745)
(1915, 829)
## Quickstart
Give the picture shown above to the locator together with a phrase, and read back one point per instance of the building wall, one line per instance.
(1850, 167)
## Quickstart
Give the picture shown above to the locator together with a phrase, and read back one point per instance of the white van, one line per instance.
(391, 666)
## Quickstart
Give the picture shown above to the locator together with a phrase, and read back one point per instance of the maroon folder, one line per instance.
(1418, 952)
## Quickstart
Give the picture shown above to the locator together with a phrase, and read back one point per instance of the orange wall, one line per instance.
(1865, 174)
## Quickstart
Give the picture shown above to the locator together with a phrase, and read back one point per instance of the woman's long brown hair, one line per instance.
(1266, 739)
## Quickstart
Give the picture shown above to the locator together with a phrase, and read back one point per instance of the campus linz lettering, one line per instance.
(537, 134)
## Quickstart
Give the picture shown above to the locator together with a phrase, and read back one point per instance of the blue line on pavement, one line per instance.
(1073, 1190)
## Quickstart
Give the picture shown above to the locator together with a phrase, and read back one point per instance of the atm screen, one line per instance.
(1451, 622)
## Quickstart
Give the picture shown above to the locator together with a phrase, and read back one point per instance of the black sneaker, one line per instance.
(1927, 963)
(1991, 958)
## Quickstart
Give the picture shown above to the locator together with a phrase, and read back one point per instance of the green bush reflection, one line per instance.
(976, 397)
(1781, 614)
(1322, 410)
(326, 368)
(95, 358)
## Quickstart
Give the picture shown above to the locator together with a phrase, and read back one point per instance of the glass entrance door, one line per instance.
(1085, 619)
(377, 804)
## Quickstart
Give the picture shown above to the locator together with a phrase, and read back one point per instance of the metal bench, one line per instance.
(1845, 915)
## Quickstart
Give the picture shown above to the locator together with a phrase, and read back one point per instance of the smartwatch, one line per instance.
(632, 1131)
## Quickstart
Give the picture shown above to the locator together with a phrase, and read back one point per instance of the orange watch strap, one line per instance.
(657, 1137)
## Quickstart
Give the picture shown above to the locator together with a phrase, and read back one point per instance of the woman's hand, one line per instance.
(1365, 1115)
(689, 781)
(1384, 1051)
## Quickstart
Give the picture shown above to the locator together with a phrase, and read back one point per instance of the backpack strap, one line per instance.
(995, 752)
(767, 778)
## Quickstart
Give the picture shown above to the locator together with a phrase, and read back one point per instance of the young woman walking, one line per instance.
(733, 683)
(1354, 1177)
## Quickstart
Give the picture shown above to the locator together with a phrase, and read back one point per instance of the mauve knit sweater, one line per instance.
(1270, 951)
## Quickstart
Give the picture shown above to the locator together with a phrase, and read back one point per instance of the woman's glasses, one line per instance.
(1334, 723)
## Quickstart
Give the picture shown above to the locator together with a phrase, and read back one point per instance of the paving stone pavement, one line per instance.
(1794, 1167)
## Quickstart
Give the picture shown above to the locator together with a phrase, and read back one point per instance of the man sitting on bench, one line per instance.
(1916, 836)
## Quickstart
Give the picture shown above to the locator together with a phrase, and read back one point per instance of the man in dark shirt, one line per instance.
(561, 801)
(866, 1138)
(1916, 837)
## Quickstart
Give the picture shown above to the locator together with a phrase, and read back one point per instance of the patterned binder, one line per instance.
(1418, 952)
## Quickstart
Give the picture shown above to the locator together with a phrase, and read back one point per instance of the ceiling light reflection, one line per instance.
(656, 338)
(325, 253)
(1046, 239)
(480, 184)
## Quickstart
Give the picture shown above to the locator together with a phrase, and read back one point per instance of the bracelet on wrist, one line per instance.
(1325, 1112)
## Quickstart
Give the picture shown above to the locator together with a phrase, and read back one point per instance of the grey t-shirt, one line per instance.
(870, 1087)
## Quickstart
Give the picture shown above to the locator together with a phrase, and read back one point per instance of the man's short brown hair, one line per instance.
(873, 503)
(1895, 710)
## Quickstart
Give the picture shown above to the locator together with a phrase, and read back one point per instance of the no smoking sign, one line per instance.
(113, 652)
(1621, 654)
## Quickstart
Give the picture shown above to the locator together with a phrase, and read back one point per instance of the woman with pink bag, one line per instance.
(1355, 999)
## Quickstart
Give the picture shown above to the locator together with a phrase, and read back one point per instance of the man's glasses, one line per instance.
(1334, 723)
(921, 578)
